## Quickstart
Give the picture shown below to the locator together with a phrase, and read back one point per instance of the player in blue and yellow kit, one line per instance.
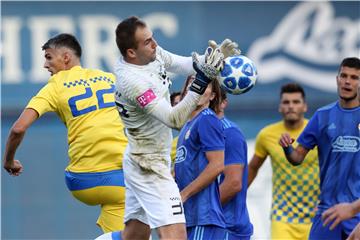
(199, 160)
(295, 190)
(335, 130)
(233, 181)
(84, 100)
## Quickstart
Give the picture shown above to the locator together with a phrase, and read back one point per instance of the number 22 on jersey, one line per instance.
(87, 95)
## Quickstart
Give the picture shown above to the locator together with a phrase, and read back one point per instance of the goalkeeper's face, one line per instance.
(145, 52)
(292, 107)
(56, 59)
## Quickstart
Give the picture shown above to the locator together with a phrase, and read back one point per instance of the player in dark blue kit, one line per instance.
(199, 160)
(335, 129)
(233, 180)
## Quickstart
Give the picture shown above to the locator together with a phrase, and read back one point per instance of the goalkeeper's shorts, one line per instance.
(152, 197)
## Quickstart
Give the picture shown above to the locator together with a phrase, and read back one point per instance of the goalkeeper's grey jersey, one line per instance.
(138, 90)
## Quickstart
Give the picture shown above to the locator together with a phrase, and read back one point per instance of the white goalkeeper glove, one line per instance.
(206, 72)
(227, 47)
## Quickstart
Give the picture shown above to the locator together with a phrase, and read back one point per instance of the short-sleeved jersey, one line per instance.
(235, 211)
(138, 89)
(295, 189)
(336, 133)
(201, 134)
(84, 100)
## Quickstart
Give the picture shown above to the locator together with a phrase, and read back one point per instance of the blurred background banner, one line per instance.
(288, 41)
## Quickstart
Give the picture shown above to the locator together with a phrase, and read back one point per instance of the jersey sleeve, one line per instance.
(211, 134)
(260, 149)
(45, 100)
(176, 63)
(235, 147)
(308, 138)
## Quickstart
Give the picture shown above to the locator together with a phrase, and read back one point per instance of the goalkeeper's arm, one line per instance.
(177, 116)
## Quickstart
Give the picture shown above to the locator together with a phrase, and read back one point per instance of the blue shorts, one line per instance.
(231, 236)
(206, 232)
(81, 181)
(319, 232)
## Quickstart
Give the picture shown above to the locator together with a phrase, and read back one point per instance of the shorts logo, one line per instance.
(177, 208)
(346, 144)
(146, 98)
(180, 154)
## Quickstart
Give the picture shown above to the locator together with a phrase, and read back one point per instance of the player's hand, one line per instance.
(215, 58)
(337, 213)
(286, 140)
(227, 47)
(207, 71)
(13, 168)
(355, 234)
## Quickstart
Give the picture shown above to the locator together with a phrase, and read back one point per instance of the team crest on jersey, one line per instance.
(180, 154)
(346, 144)
(147, 97)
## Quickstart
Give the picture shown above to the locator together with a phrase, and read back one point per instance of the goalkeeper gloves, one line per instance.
(227, 47)
(208, 71)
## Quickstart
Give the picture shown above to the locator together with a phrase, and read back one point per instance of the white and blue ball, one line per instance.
(238, 76)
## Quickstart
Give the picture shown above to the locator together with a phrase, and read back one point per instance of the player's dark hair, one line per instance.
(216, 89)
(125, 33)
(64, 40)
(292, 88)
(173, 96)
(351, 62)
(223, 94)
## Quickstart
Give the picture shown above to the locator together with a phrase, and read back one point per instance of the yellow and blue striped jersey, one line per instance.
(84, 100)
(295, 189)
(173, 148)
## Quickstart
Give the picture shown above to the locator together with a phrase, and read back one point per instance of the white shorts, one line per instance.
(152, 196)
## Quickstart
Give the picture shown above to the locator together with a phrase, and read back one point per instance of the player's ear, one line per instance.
(305, 107)
(67, 57)
(130, 53)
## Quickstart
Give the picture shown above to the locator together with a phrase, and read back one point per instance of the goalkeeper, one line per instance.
(143, 100)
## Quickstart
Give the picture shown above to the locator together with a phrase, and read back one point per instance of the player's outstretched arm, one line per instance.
(175, 117)
(340, 212)
(294, 156)
(17, 132)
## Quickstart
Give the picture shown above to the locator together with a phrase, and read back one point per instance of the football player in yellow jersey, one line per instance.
(84, 100)
(295, 189)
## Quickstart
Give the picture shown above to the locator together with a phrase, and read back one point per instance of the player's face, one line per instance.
(146, 49)
(292, 107)
(348, 83)
(206, 97)
(176, 100)
(54, 60)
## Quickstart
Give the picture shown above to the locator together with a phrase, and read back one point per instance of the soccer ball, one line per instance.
(238, 75)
